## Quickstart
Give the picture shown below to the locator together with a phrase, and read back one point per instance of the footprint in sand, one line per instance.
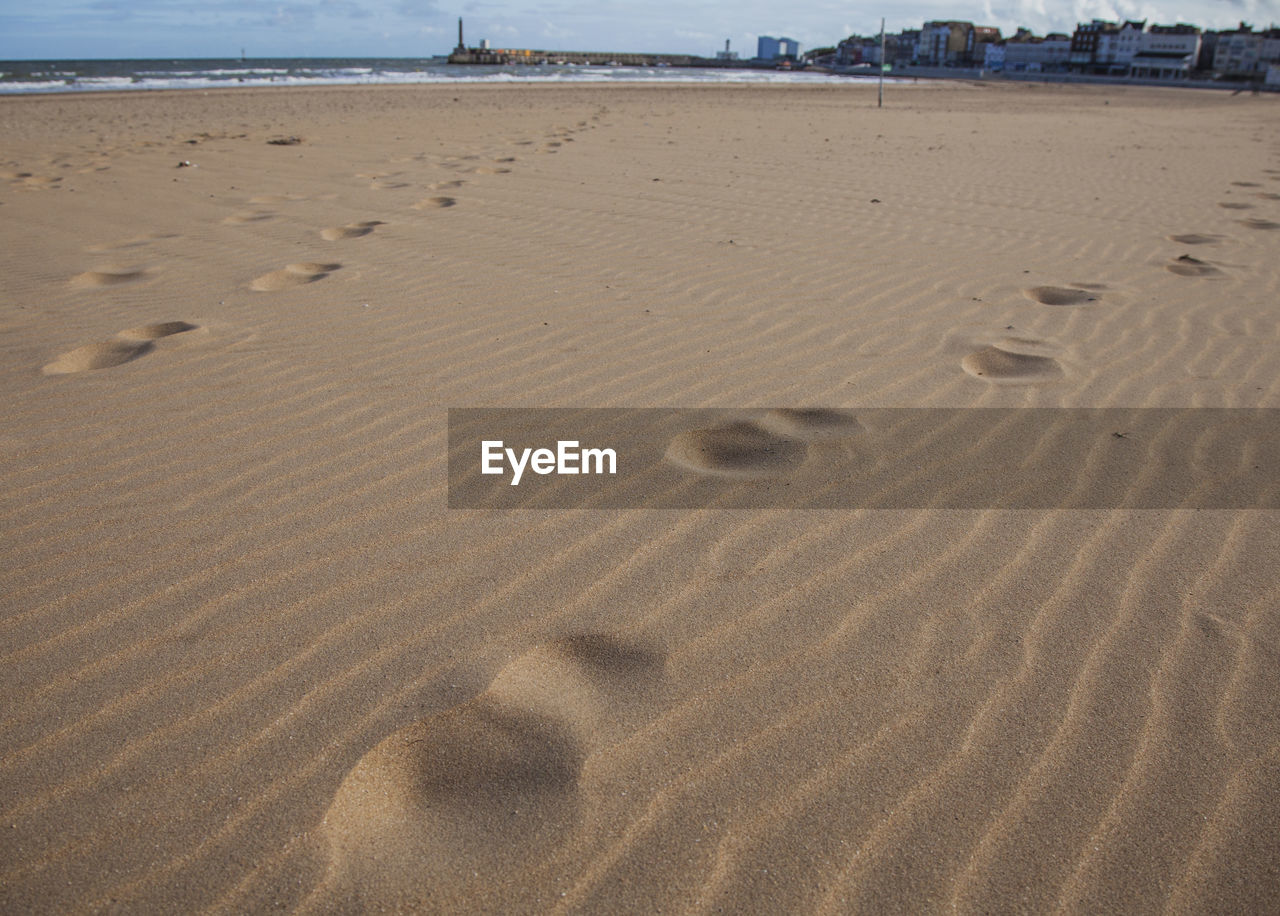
(742, 449)
(248, 216)
(138, 241)
(349, 231)
(1267, 195)
(446, 185)
(1059, 295)
(1258, 224)
(1187, 266)
(388, 185)
(122, 348)
(811, 423)
(108, 276)
(477, 790)
(40, 182)
(435, 203)
(1195, 239)
(1005, 363)
(292, 275)
(158, 330)
(1232, 205)
(275, 198)
(1246, 184)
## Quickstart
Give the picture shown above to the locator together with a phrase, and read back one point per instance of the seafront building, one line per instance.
(1166, 52)
(770, 48)
(1098, 48)
(1027, 53)
(1104, 48)
(1133, 48)
(941, 43)
(1243, 53)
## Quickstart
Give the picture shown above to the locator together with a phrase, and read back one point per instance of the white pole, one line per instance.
(880, 103)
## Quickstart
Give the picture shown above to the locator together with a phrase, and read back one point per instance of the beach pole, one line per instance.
(880, 102)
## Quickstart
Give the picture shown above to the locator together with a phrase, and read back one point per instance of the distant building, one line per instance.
(1243, 53)
(1128, 42)
(857, 49)
(726, 54)
(1127, 48)
(954, 44)
(852, 51)
(943, 43)
(1271, 47)
(983, 37)
(902, 51)
(1167, 52)
(899, 49)
(769, 48)
(1237, 53)
(1208, 44)
(995, 56)
(1027, 53)
(1093, 47)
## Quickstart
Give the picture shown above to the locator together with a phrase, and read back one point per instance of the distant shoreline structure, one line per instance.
(68, 76)
(506, 57)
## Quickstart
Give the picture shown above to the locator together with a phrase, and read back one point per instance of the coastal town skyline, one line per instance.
(88, 29)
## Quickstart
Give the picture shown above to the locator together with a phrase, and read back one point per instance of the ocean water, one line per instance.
(114, 75)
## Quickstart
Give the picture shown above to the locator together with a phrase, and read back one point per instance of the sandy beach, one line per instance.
(250, 660)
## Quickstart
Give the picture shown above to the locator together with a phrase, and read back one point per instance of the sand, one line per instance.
(251, 661)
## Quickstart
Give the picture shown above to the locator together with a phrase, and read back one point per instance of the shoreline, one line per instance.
(300, 72)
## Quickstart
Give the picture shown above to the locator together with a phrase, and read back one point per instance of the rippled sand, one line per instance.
(249, 659)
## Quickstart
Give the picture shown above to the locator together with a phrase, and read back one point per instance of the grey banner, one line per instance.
(874, 458)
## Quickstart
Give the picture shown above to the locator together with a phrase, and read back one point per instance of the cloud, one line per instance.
(166, 28)
(555, 32)
(417, 9)
(346, 9)
(110, 9)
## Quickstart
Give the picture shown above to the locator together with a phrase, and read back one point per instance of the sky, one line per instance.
(83, 29)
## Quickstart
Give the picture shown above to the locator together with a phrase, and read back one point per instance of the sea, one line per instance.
(46, 76)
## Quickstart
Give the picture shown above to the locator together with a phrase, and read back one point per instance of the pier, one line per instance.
(507, 56)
